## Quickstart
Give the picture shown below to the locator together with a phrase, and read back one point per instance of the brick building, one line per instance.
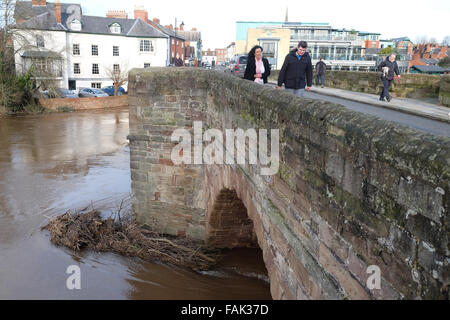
(221, 55)
(428, 55)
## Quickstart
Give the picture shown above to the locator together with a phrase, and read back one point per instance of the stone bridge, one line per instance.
(351, 192)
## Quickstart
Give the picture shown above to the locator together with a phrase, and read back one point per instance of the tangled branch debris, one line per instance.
(77, 231)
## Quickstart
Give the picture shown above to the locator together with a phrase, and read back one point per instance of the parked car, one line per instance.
(92, 93)
(60, 93)
(238, 68)
(110, 90)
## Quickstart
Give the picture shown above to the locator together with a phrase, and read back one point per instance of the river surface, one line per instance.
(53, 163)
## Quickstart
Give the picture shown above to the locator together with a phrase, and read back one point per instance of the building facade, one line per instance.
(194, 46)
(231, 51)
(343, 49)
(80, 51)
(176, 42)
(274, 41)
(221, 55)
(209, 57)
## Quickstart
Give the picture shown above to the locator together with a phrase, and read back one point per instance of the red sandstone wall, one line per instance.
(85, 103)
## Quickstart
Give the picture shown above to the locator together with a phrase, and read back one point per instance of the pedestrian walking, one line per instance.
(388, 70)
(320, 72)
(296, 72)
(258, 68)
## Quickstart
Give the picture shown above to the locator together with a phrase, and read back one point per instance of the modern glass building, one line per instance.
(342, 48)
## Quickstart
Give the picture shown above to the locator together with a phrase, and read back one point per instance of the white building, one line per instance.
(231, 51)
(78, 50)
(209, 57)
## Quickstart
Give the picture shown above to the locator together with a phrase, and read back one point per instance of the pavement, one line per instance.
(405, 105)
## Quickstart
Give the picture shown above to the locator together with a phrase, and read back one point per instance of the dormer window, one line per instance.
(40, 43)
(75, 25)
(115, 28)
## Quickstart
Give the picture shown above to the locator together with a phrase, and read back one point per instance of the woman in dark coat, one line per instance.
(258, 68)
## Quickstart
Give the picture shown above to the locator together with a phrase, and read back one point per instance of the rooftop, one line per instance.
(44, 18)
(430, 69)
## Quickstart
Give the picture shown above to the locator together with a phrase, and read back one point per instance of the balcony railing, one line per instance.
(316, 56)
(308, 37)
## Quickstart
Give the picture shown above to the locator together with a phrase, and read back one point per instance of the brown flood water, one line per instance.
(53, 163)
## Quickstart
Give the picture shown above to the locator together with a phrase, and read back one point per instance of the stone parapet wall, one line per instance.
(411, 85)
(352, 190)
(444, 92)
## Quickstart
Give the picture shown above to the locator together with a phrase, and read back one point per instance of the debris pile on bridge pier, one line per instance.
(77, 231)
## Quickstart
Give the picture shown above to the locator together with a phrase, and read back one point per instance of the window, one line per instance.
(95, 50)
(76, 49)
(47, 67)
(115, 51)
(40, 42)
(95, 69)
(269, 49)
(76, 68)
(116, 68)
(96, 85)
(146, 46)
(75, 25)
(173, 42)
(146, 65)
(41, 64)
(115, 28)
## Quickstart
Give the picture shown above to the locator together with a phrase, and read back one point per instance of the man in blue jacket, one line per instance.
(296, 72)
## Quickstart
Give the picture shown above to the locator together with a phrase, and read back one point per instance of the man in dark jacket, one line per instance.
(320, 72)
(296, 72)
(388, 67)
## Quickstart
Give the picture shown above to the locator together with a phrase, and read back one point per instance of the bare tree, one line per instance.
(422, 40)
(38, 73)
(118, 74)
(6, 24)
(433, 41)
(446, 41)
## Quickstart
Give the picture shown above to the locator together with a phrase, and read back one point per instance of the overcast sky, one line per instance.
(217, 19)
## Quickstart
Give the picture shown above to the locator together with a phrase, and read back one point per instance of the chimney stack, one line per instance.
(35, 3)
(156, 20)
(118, 14)
(181, 27)
(170, 27)
(140, 12)
(58, 11)
(194, 29)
